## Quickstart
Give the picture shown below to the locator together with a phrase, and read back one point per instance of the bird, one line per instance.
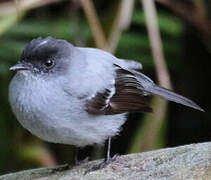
(80, 96)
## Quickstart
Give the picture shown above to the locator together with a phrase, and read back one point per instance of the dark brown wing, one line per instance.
(128, 96)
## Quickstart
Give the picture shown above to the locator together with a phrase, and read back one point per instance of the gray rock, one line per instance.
(184, 162)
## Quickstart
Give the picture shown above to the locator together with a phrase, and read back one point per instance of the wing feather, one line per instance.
(128, 96)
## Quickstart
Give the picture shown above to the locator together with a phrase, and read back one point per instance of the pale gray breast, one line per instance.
(48, 111)
(38, 104)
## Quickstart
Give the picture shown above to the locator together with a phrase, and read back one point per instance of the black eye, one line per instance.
(49, 63)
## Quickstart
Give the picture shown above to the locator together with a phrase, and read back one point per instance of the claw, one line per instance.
(102, 164)
(79, 162)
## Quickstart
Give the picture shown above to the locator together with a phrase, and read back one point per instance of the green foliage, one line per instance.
(171, 30)
(168, 24)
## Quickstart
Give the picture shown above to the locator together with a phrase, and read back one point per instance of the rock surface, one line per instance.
(184, 162)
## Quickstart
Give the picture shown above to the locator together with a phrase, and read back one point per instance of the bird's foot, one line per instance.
(102, 164)
(79, 162)
(61, 168)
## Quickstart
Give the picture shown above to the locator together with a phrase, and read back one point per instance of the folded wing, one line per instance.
(129, 94)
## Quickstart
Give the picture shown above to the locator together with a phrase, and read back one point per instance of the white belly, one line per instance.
(55, 116)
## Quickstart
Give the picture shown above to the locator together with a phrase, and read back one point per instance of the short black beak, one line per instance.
(19, 66)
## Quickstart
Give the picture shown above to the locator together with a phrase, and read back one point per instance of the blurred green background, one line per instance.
(185, 29)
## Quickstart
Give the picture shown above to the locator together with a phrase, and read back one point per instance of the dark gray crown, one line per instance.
(42, 48)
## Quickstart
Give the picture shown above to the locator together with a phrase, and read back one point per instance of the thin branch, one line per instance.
(146, 137)
(126, 13)
(121, 22)
(156, 43)
(94, 23)
(200, 8)
(203, 24)
(7, 8)
(17, 8)
(8, 21)
(153, 122)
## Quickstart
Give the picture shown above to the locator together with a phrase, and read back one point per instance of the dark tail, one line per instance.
(171, 96)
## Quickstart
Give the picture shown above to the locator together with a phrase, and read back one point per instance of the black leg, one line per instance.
(108, 159)
(77, 161)
(72, 164)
